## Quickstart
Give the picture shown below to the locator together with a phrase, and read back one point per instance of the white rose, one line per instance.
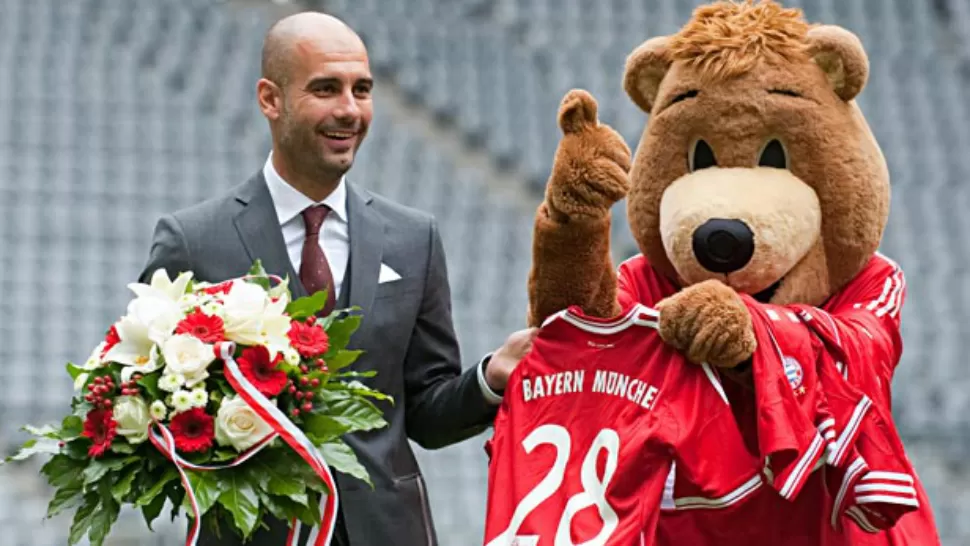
(238, 425)
(79, 382)
(251, 318)
(187, 356)
(131, 414)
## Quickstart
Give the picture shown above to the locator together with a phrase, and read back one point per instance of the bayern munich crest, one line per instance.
(794, 373)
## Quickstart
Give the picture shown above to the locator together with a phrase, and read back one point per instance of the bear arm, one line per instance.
(571, 265)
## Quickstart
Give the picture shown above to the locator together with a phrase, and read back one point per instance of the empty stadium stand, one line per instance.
(115, 112)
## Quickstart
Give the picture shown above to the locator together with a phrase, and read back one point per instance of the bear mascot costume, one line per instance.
(757, 193)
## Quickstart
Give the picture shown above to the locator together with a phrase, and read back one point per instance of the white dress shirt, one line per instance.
(334, 238)
(334, 233)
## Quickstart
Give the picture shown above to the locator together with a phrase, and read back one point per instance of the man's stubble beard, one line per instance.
(298, 143)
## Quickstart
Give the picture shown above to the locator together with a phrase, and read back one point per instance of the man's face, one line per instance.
(326, 107)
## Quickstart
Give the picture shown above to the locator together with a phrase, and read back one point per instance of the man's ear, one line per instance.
(645, 69)
(839, 53)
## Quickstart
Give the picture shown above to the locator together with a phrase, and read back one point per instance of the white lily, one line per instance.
(149, 322)
(162, 287)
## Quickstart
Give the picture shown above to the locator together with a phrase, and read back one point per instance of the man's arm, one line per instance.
(169, 250)
(443, 404)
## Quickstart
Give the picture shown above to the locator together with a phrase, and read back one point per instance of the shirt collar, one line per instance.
(290, 202)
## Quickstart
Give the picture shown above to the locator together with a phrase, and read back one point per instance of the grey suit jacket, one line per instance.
(406, 333)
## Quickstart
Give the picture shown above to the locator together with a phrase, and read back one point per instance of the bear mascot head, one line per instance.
(756, 173)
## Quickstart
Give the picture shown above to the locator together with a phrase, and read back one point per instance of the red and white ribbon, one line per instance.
(162, 438)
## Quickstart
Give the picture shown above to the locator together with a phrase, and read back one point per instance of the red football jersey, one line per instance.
(866, 466)
(860, 330)
(591, 421)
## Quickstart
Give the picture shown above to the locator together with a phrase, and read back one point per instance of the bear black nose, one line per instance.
(723, 246)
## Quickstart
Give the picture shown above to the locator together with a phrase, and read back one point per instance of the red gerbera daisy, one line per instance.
(110, 340)
(99, 426)
(309, 340)
(209, 329)
(263, 374)
(193, 430)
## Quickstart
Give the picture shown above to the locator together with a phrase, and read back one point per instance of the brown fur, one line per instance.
(726, 39)
(734, 58)
(571, 246)
(708, 322)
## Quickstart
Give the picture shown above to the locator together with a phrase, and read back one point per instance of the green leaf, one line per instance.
(360, 389)
(290, 463)
(307, 306)
(99, 467)
(355, 413)
(74, 370)
(340, 456)
(150, 384)
(208, 486)
(33, 447)
(151, 510)
(286, 509)
(241, 500)
(341, 330)
(261, 277)
(342, 359)
(66, 497)
(62, 471)
(103, 518)
(273, 478)
(123, 448)
(122, 487)
(156, 489)
(83, 517)
(322, 428)
(71, 428)
(342, 375)
(46, 431)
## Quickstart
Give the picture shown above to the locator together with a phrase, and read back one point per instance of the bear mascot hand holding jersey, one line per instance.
(757, 192)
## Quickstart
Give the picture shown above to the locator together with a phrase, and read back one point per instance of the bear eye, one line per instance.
(773, 155)
(701, 156)
(684, 96)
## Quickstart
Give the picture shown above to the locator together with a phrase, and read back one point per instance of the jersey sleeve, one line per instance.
(869, 478)
(861, 327)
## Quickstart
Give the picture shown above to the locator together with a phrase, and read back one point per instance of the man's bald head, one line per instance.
(288, 36)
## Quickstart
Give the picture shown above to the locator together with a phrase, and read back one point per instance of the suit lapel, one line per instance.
(260, 232)
(366, 230)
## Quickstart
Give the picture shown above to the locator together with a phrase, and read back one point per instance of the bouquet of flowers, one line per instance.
(227, 400)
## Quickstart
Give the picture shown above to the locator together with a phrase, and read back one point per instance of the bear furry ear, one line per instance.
(841, 56)
(645, 69)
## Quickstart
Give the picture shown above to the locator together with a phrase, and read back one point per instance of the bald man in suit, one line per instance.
(302, 218)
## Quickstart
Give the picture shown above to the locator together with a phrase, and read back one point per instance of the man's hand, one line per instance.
(507, 357)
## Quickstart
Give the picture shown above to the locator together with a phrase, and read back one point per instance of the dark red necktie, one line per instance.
(314, 268)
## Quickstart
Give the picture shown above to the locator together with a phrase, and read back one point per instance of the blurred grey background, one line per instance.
(113, 112)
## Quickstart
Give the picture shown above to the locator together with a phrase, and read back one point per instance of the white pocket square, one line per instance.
(387, 275)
